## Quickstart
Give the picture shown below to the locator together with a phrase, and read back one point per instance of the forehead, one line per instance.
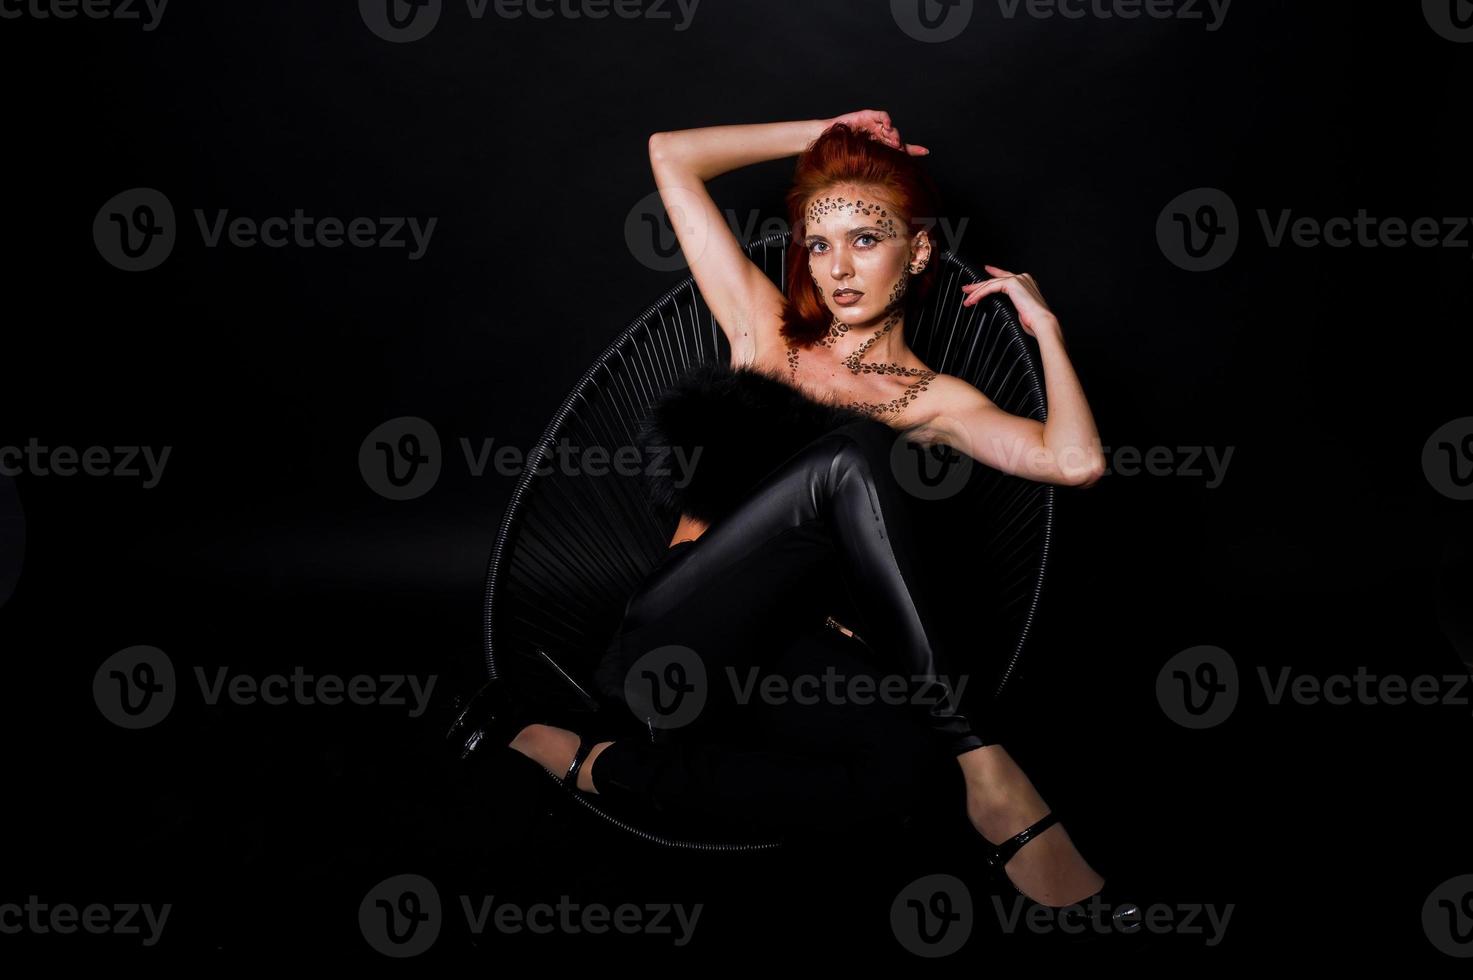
(847, 206)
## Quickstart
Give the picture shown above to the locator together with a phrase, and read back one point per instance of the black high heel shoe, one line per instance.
(492, 717)
(1122, 915)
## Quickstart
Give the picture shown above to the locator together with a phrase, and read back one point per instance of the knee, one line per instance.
(867, 441)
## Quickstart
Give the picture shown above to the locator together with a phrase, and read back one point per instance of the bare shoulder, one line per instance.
(946, 395)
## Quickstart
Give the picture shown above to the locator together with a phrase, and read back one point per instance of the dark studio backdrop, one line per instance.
(1307, 405)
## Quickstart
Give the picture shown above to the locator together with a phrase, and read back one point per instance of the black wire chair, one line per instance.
(573, 547)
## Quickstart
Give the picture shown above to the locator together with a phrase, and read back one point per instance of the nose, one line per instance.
(840, 269)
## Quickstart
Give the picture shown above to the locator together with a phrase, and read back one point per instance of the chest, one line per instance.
(898, 400)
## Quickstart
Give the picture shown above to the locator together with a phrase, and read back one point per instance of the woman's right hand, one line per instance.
(876, 122)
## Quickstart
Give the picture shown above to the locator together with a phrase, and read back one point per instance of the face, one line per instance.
(856, 241)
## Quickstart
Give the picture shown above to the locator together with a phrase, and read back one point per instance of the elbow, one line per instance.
(1087, 477)
(658, 146)
(1082, 475)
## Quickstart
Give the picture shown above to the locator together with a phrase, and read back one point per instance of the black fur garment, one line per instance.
(744, 424)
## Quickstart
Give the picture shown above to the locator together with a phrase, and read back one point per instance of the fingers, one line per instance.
(996, 271)
(890, 135)
(1007, 283)
(976, 290)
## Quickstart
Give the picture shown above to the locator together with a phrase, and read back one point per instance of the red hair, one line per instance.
(842, 155)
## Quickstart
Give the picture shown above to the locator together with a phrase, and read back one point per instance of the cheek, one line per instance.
(883, 264)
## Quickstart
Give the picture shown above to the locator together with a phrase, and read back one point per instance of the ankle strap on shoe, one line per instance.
(1004, 852)
(585, 745)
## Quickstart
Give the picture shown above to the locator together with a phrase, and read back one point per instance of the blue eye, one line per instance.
(869, 236)
(817, 245)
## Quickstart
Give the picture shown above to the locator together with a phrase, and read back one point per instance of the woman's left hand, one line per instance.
(1033, 312)
(876, 123)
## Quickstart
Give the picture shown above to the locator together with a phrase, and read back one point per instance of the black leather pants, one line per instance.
(828, 529)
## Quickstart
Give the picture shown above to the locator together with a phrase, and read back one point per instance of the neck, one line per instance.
(888, 334)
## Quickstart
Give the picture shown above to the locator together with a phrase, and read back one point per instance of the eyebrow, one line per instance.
(851, 231)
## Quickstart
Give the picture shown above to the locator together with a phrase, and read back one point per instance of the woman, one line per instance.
(860, 262)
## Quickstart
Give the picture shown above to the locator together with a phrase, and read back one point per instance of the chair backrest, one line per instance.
(573, 546)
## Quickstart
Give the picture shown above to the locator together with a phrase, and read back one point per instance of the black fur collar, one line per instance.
(743, 423)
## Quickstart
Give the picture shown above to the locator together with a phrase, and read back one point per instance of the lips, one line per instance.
(847, 297)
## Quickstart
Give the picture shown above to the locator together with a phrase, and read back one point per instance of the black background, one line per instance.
(1059, 141)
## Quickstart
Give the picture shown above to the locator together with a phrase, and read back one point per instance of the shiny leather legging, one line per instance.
(828, 526)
